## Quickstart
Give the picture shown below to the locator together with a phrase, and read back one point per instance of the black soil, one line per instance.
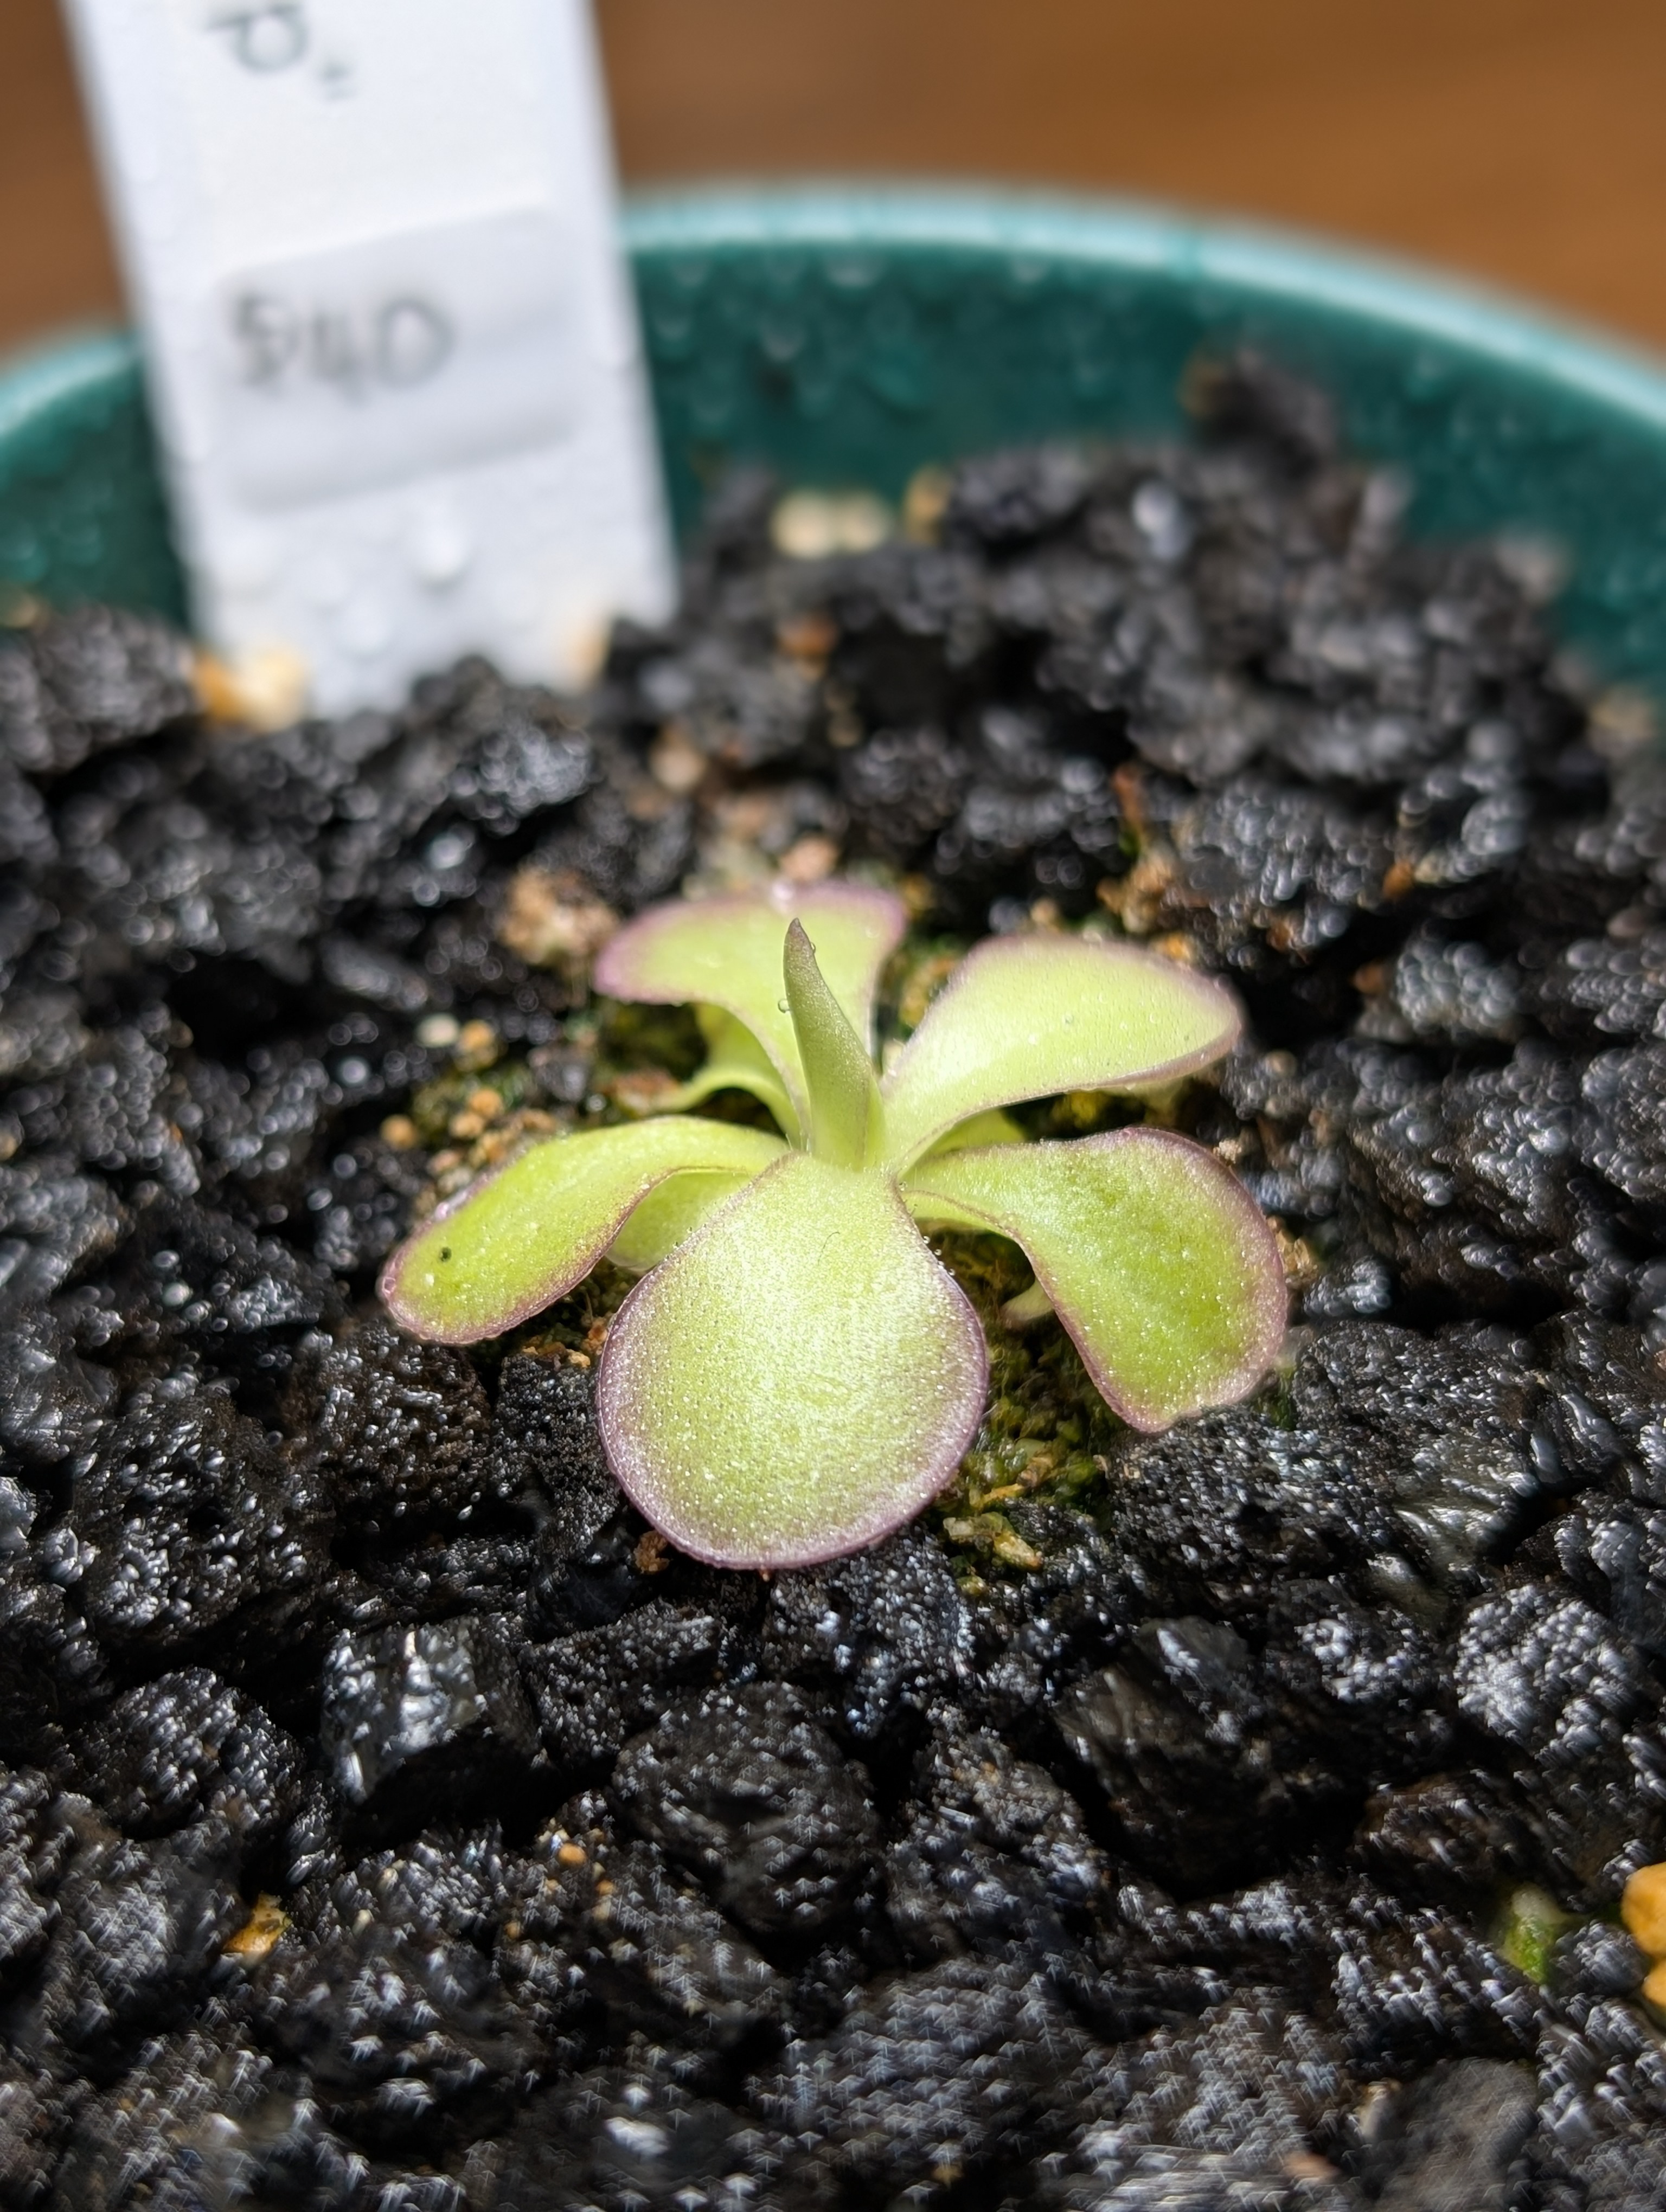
(1235, 1818)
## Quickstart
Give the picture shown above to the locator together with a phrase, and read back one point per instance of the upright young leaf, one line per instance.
(838, 1073)
(1157, 1259)
(1024, 1016)
(727, 952)
(504, 1249)
(798, 1379)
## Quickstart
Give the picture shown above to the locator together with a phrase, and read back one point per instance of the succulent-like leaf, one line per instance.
(993, 1127)
(735, 1061)
(672, 1210)
(504, 1249)
(798, 1379)
(1157, 1259)
(727, 952)
(1024, 1016)
(838, 1069)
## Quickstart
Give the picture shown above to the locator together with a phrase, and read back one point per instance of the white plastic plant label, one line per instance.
(392, 353)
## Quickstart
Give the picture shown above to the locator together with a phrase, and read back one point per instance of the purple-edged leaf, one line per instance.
(504, 1250)
(728, 952)
(800, 1378)
(1024, 1016)
(1156, 1261)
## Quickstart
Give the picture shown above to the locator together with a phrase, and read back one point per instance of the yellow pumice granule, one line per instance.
(1643, 1908)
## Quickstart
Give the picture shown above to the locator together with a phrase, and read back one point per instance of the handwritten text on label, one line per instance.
(376, 363)
(389, 345)
(405, 341)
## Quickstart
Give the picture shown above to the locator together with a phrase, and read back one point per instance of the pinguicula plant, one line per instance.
(796, 1374)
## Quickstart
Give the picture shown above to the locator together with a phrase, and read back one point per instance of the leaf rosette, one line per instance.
(796, 1374)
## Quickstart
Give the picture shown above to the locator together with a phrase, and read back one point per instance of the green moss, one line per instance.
(1531, 1925)
(629, 1038)
(1046, 1435)
(910, 980)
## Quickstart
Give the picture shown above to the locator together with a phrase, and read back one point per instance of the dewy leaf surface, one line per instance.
(672, 1210)
(993, 1127)
(797, 1379)
(1024, 1016)
(727, 952)
(735, 1061)
(1154, 1255)
(838, 1071)
(504, 1250)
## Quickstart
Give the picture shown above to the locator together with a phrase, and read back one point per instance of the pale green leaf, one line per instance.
(1022, 1312)
(1025, 1017)
(1156, 1258)
(993, 1127)
(798, 1379)
(838, 1071)
(735, 1061)
(672, 1210)
(727, 952)
(931, 1208)
(512, 1244)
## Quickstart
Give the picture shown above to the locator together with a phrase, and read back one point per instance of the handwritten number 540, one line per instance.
(404, 343)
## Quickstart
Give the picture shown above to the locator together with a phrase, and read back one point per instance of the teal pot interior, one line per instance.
(846, 336)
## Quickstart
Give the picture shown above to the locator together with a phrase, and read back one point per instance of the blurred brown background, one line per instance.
(1518, 139)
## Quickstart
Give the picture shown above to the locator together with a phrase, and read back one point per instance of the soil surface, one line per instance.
(1235, 1818)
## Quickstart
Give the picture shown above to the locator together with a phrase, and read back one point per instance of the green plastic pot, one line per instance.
(846, 336)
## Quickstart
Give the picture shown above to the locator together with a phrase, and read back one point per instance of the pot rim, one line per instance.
(1103, 231)
(1158, 238)
(1505, 417)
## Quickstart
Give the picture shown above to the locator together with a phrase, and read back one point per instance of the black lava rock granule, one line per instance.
(1236, 1818)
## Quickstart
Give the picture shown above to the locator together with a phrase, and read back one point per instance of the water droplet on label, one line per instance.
(440, 547)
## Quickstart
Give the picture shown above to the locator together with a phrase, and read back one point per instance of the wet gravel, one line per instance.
(1234, 1819)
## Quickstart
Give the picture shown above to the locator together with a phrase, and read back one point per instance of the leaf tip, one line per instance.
(414, 1289)
(1255, 1312)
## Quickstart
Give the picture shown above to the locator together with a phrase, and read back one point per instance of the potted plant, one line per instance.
(1262, 1803)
